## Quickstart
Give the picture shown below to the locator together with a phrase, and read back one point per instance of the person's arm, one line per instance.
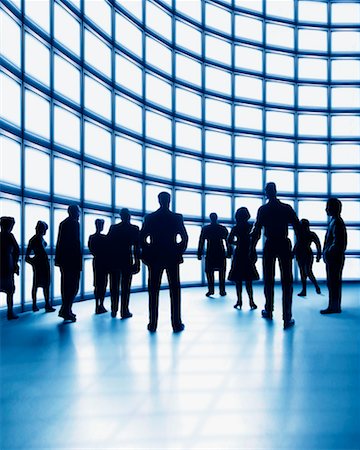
(316, 241)
(29, 249)
(183, 234)
(201, 244)
(58, 248)
(338, 244)
(294, 221)
(16, 256)
(256, 232)
(136, 247)
(228, 246)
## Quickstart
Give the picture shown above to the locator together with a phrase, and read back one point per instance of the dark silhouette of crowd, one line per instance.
(161, 244)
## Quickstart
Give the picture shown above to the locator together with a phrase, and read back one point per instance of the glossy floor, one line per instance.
(231, 380)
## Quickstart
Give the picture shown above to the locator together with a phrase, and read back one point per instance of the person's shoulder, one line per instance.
(135, 228)
(32, 240)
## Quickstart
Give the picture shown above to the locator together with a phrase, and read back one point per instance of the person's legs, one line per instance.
(175, 296)
(70, 279)
(334, 270)
(48, 307)
(33, 296)
(211, 281)
(64, 310)
(303, 276)
(238, 304)
(74, 281)
(154, 282)
(10, 305)
(249, 290)
(222, 281)
(114, 291)
(269, 279)
(125, 293)
(312, 276)
(285, 262)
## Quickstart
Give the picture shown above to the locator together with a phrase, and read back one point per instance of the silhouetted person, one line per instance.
(275, 217)
(304, 255)
(9, 257)
(98, 247)
(40, 265)
(161, 251)
(243, 263)
(69, 258)
(215, 235)
(334, 255)
(124, 261)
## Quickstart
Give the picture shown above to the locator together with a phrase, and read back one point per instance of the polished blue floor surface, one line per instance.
(231, 380)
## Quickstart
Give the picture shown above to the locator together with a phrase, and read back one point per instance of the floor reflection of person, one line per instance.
(243, 264)
(161, 251)
(215, 236)
(40, 264)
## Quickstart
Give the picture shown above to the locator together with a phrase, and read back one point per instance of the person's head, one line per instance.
(333, 207)
(164, 199)
(305, 224)
(125, 215)
(213, 217)
(41, 227)
(270, 190)
(7, 223)
(242, 215)
(74, 211)
(99, 225)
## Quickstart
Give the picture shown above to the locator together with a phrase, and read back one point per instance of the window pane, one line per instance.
(248, 87)
(128, 75)
(37, 59)
(217, 18)
(248, 58)
(34, 213)
(280, 151)
(312, 182)
(345, 69)
(128, 194)
(188, 169)
(345, 125)
(220, 204)
(10, 161)
(218, 49)
(218, 80)
(158, 91)
(97, 142)
(343, 154)
(97, 186)
(64, 120)
(193, 232)
(217, 175)
(248, 28)
(188, 103)
(188, 203)
(158, 55)
(248, 178)
(100, 13)
(37, 111)
(279, 122)
(192, 9)
(345, 183)
(217, 143)
(312, 68)
(312, 40)
(188, 69)
(188, 136)
(279, 64)
(97, 98)
(66, 178)
(158, 20)
(158, 127)
(218, 111)
(97, 53)
(190, 270)
(12, 208)
(10, 38)
(152, 192)
(66, 79)
(188, 37)
(280, 9)
(251, 203)
(313, 96)
(246, 117)
(248, 148)
(312, 11)
(345, 41)
(350, 210)
(283, 179)
(282, 93)
(313, 210)
(279, 35)
(312, 125)
(39, 12)
(66, 29)
(128, 114)
(10, 99)
(158, 163)
(345, 97)
(128, 154)
(37, 173)
(128, 35)
(311, 153)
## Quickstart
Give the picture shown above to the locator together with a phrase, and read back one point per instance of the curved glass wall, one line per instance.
(107, 103)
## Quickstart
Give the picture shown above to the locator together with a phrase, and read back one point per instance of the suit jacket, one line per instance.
(120, 240)
(68, 253)
(162, 228)
(335, 239)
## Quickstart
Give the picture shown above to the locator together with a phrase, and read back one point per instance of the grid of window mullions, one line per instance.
(111, 167)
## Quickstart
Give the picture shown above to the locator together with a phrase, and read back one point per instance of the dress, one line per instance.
(242, 267)
(40, 261)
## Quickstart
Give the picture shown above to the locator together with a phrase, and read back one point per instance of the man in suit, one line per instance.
(334, 255)
(124, 261)
(275, 217)
(68, 257)
(161, 251)
(215, 259)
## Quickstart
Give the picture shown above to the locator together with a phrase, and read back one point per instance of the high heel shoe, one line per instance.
(238, 305)
(253, 305)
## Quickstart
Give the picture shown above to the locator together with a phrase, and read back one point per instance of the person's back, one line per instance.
(9, 253)
(120, 239)
(215, 234)
(68, 249)
(336, 238)
(98, 246)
